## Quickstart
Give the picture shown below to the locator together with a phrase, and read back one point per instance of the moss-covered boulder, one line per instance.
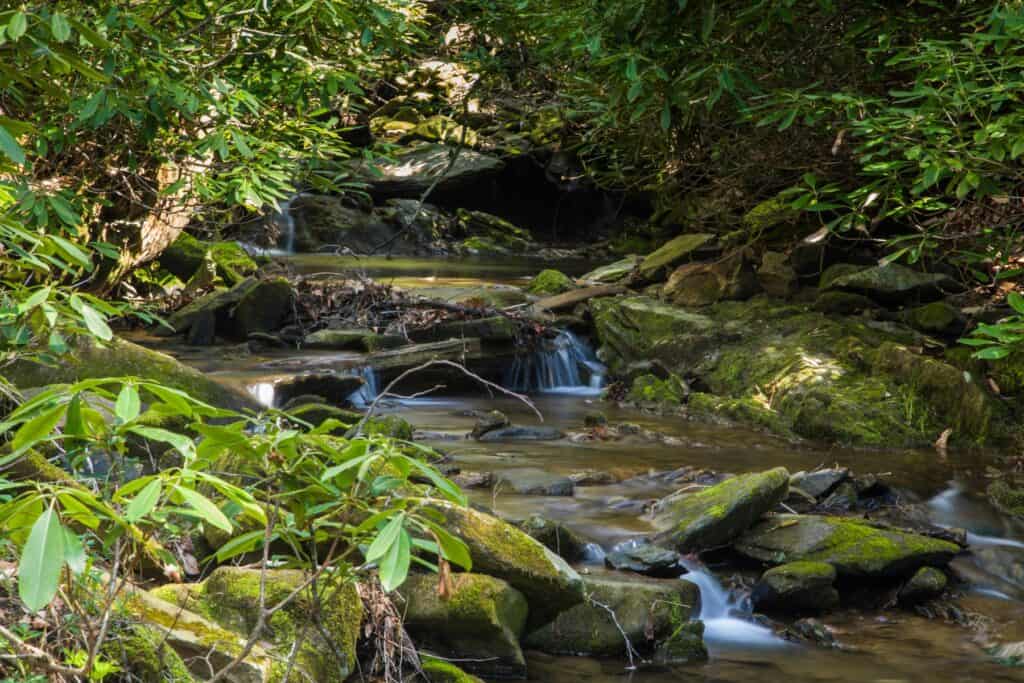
(488, 233)
(550, 282)
(663, 260)
(613, 272)
(1007, 496)
(264, 307)
(503, 551)
(443, 129)
(231, 598)
(843, 303)
(186, 254)
(776, 276)
(889, 283)
(853, 547)
(731, 277)
(215, 305)
(393, 426)
(439, 671)
(796, 587)
(771, 218)
(648, 611)
(937, 317)
(143, 653)
(89, 359)
(556, 537)
(718, 514)
(666, 393)
(925, 584)
(476, 620)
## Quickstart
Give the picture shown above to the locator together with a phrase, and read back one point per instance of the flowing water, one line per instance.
(563, 380)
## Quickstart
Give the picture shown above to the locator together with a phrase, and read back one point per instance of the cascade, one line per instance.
(726, 619)
(559, 366)
(364, 395)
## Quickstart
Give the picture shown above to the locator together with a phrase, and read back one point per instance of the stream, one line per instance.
(895, 645)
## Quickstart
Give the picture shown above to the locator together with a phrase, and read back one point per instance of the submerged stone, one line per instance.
(854, 548)
(717, 515)
(649, 611)
(796, 587)
(516, 433)
(476, 620)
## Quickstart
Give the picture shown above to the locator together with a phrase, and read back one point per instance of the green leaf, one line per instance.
(41, 562)
(72, 251)
(64, 210)
(38, 428)
(394, 567)
(74, 551)
(10, 147)
(17, 26)
(205, 507)
(386, 538)
(128, 404)
(243, 543)
(452, 548)
(59, 27)
(1016, 301)
(94, 321)
(992, 353)
(182, 442)
(144, 502)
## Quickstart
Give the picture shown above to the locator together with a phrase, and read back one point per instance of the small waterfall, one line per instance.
(284, 219)
(559, 366)
(725, 618)
(365, 395)
(263, 392)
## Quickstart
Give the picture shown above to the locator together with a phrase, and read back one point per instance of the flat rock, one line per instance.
(717, 515)
(820, 482)
(644, 558)
(613, 272)
(532, 481)
(853, 547)
(672, 253)
(411, 173)
(515, 433)
(890, 282)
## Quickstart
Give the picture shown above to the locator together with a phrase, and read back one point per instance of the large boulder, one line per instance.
(888, 283)
(264, 308)
(731, 277)
(230, 596)
(648, 612)
(501, 550)
(215, 306)
(796, 587)
(412, 172)
(661, 261)
(477, 620)
(855, 548)
(88, 359)
(717, 515)
(187, 254)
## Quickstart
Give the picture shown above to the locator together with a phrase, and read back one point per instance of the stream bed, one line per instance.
(890, 645)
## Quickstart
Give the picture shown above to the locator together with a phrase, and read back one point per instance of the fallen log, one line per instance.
(575, 296)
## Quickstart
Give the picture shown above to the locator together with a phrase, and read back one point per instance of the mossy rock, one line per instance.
(937, 317)
(89, 359)
(647, 610)
(658, 263)
(684, 645)
(888, 283)
(667, 393)
(352, 339)
(854, 548)
(731, 277)
(925, 584)
(264, 308)
(1007, 497)
(316, 413)
(556, 537)
(746, 411)
(771, 218)
(142, 652)
(216, 304)
(186, 255)
(387, 425)
(440, 671)
(550, 282)
(1007, 372)
(497, 329)
(843, 303)
(717, 515)
(503, 551)
(443, 129)
(230, 597)
(797, 587)
(476, 620)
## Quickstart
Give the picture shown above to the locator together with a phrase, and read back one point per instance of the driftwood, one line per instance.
(418, 354)
(575, 296)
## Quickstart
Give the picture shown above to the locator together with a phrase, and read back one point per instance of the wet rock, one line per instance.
(890, 283)
(925, 584)
(203, 330)
(478, 622)
(649, 389)
(264, 307)
(497, 296)
(647, 559)
(844, 498)
(411, 173)
(796, 587)
(811, 631)
(684, 644)
(490, 234)
(776, 276)
(524, 434)
(441, 671)
(503, 551)
(658, 263)
(731, 277)
(352, 339)
(715, 516)
(332, 387)
(488, 422)
(649, 611)
(593, 478)
(819, 482)
(473, 480)
(532, 481)
(613, 272)
(556, 537)
(550, 282)
(853, 547)
(1007, 497)
(217, 303)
